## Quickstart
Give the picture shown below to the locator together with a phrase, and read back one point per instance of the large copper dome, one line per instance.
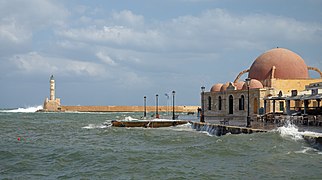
(288, 64)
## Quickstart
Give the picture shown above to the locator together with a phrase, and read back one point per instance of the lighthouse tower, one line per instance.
(52, 104)
(52, 87)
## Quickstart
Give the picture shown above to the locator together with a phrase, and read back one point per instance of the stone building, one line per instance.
(275, 73)
(52, 104)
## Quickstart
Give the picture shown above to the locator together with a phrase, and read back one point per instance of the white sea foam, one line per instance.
(129, 118)
(292, 131)
(182, 127)
(207, 133)
(95, 126)
(307, 150)
(25, 110)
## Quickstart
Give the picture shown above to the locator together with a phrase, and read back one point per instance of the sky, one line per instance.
(115, 52)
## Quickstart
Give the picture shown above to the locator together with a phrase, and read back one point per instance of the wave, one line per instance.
(307, 150)
(95, 126)
(292, 131)
(24, 110)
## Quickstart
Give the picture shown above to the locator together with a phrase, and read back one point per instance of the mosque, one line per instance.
(278, 82)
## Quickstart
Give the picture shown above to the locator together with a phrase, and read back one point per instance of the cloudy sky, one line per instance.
(114, 52)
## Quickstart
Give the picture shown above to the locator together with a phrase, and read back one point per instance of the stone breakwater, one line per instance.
(314, 139)
(179, 109)
(219, 129)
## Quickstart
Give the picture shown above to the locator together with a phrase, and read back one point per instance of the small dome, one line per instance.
(239, 85)
(288, 64)
(224, 87)
(216, 87)
(254, 84)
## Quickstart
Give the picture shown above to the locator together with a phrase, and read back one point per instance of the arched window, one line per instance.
(231, 104)
(242, 102)
(219, 103)
(209, 103)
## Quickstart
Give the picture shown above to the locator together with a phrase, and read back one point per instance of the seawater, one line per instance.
(81, 146)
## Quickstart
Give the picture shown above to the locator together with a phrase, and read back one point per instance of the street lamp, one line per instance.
(156, 107)
(247, 81)
(173, 114)
(144, 107)
(167, 95)
(202, 117)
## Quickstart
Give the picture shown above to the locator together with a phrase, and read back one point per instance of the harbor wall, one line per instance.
(220, 129)
(314, 139)
(128, 108)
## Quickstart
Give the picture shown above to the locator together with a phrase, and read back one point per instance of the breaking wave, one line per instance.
(25, 110)
(292, 131)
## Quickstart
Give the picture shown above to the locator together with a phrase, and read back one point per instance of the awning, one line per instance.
(274, 98)
(312, 97)
(305, 97)
(300, 97)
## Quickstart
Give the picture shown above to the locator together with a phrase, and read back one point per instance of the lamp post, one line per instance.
(248, 116)
(167, 95)
(173, 114)
(202, 117)
(156, 107)
(144, 115)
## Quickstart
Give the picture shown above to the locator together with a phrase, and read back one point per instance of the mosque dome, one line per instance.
(224, 87)
(239, 85)
(253, 84)
(216, 87)
(288, 65)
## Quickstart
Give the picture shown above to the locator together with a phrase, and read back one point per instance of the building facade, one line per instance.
(275, 73)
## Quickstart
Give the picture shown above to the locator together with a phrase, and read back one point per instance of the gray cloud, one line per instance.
(126, 49)
(34, 63)
(210, 30)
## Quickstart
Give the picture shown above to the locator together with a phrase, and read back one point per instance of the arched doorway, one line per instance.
(231, 104)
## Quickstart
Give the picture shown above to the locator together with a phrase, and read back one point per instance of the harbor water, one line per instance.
(82, 146)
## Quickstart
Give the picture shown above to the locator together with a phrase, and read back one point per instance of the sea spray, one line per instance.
(290, 130)
(25, 110)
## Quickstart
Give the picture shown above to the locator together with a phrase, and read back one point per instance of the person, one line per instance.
(199, 111)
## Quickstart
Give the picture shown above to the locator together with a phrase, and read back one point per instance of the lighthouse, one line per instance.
(52, 87)
(52, 104)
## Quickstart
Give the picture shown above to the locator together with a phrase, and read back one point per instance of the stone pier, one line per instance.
(220, 129)
(314, 139)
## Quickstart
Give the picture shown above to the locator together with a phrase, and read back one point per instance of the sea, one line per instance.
(75, 145)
